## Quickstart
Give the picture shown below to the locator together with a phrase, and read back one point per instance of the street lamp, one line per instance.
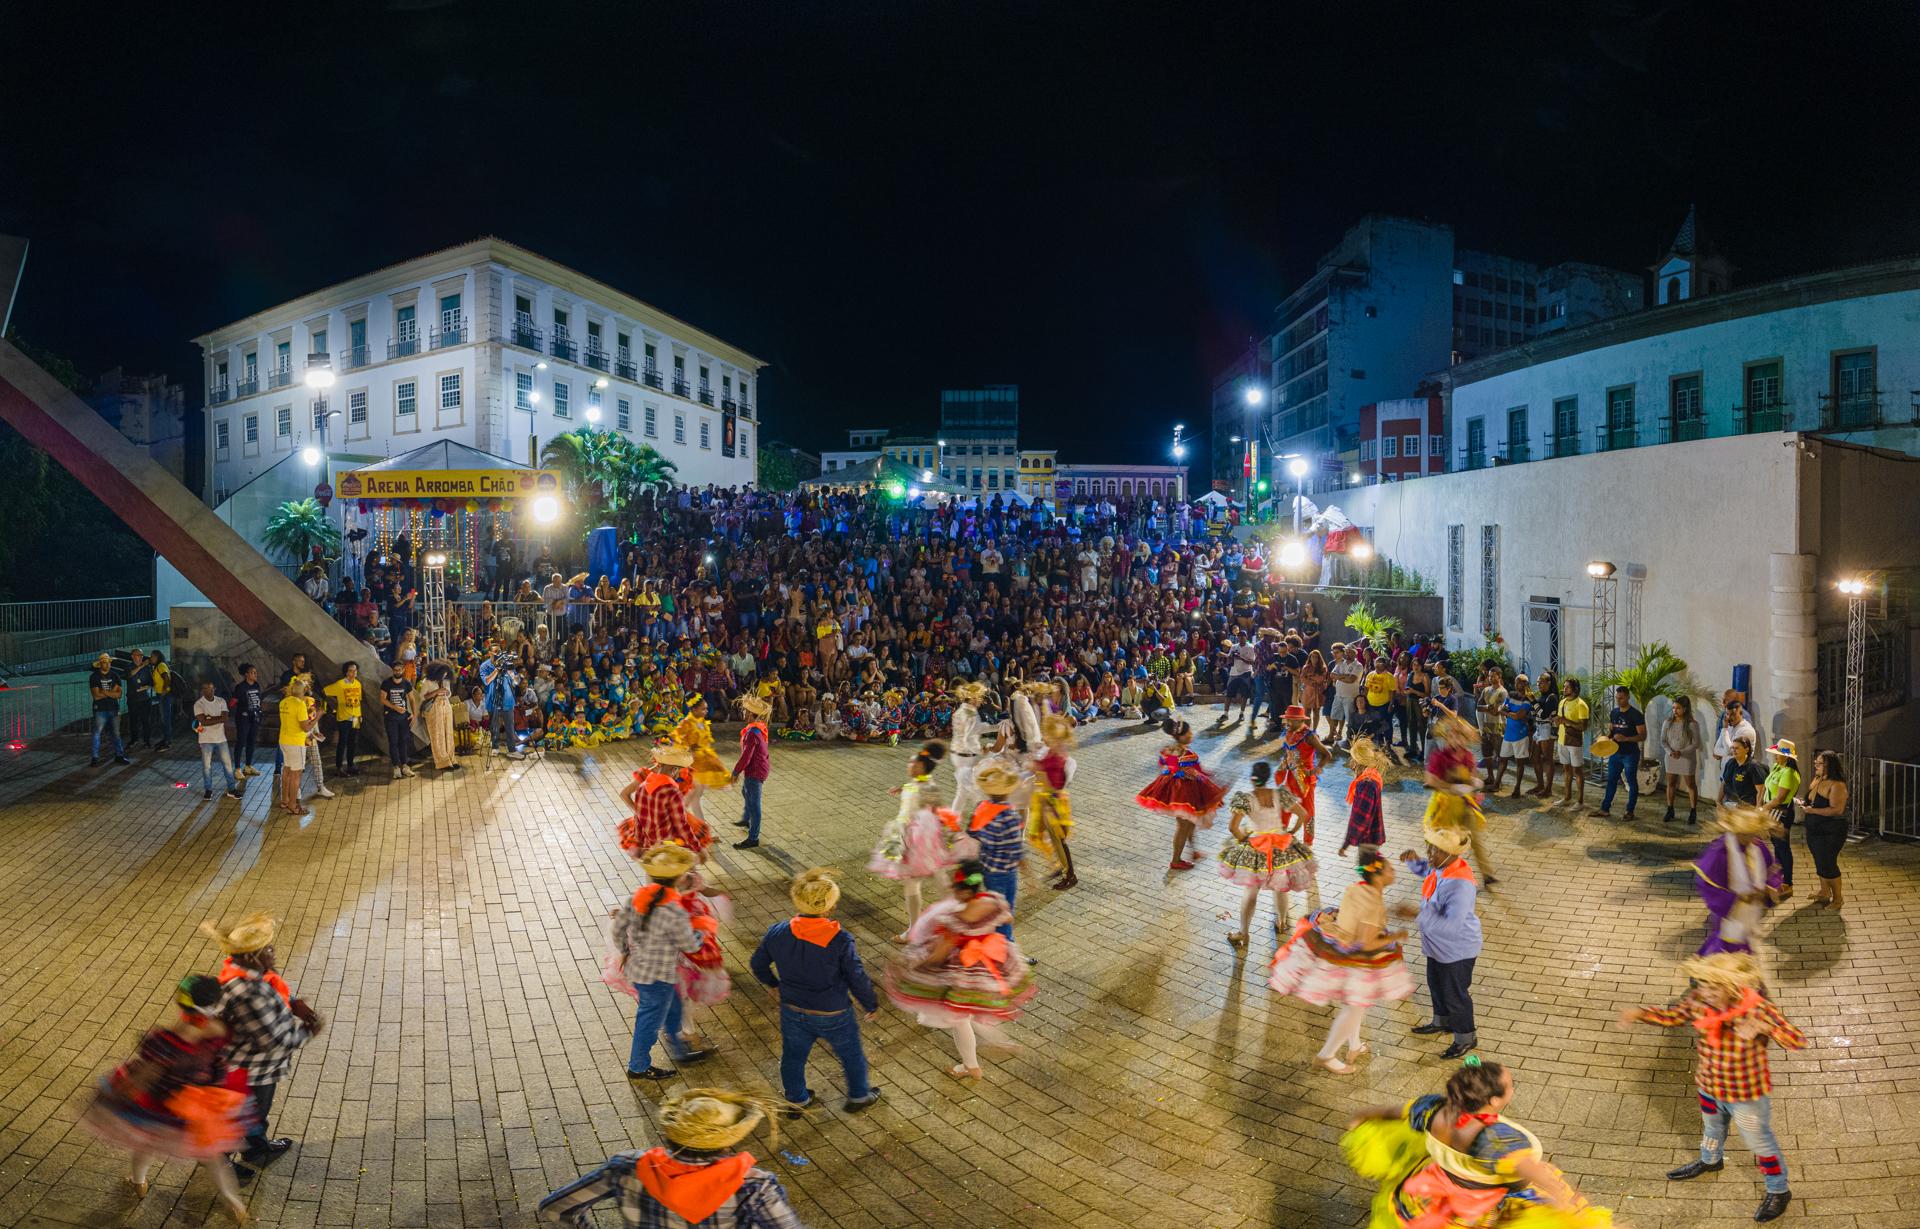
(1853, 697)
(1254, 396)
(1293, 553)
(1179, 449)
(1606, 606)
(319, 371)
(593, 413)
(310, 455)
(1298, 468)
(546, 509)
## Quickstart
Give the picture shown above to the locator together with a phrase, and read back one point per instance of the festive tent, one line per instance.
(445, 496)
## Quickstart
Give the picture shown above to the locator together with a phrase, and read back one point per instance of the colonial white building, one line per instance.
(1167, 483)
(486, 344)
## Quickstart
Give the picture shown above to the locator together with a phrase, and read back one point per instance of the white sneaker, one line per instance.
(323, 792)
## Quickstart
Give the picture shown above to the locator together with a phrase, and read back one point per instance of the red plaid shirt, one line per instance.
(660, 814)
(1736, 1069)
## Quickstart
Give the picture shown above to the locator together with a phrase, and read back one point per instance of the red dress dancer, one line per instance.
(1183, 790)
(660, 810)
(1300, 755)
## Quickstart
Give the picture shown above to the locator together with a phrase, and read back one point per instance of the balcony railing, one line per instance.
(706, 395)
(1519, 452)
(650, 376)
(219, 394)
(565, 347)
(1563, 444)
(1612, 437)
(355, 357)
(598, 359)
(1678, 428)
(452, 332)
(625, 369)
(405, 346)
(246, 388)
(1760, 418)
(681, 388)
(280, 377)
(523, 334)
(746, 411)
(1850, 412)
(1471, 458)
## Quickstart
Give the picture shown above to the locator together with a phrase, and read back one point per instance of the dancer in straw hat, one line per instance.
(1347, 956)
(1050, 812)
(1737, 878)
(173, 1098)
(753, 767)
(965, 745)
(659, 808)
(913, 844)
(961, 970)
(998, 831)
(1455, 781)
(1734, 1020)
(651, 933)
(1366, 821)
(813, 968)
(697, 1178)
(266, 1022)
(1449, 934)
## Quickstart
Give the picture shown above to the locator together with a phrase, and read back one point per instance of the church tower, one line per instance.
(1689, 270)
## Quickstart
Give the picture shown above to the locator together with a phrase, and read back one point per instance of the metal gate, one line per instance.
(1895, 799)
(1540, 637)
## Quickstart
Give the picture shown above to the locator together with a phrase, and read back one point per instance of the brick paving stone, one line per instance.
(452, 931)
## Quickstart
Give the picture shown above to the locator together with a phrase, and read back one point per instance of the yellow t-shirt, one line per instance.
(293, 721)
(1575, 710)
(346, 695)
(1379, 688)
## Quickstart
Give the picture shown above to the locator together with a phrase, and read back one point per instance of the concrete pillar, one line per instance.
(1789, 703)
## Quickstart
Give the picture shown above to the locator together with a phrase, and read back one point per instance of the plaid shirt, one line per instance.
(651, 953)
(660, 814)
(1002, 842)
(760, 1203)
(265, 1030)
(1736, 1069)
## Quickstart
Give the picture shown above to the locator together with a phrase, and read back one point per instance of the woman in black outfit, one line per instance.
(1823, 813)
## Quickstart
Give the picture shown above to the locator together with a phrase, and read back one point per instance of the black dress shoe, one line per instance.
(693, 1056)
(1424, 1030)
(1459, 1049)
(747, 844)
(652, 1073)
(854, 1105)
(1773, 1205)
(741, 823)
(244, 1173)
(260, 1158)
(1693, 1169)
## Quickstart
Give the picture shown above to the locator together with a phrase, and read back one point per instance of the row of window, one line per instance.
(1494, 284)
(1402, 446)
(1155, 487)
(405, 342)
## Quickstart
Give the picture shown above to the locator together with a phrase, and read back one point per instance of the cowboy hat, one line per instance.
(971, 693)
(1294, 713)
(249, 934)
(672, 755)
(1784, 747)
(708, 1119)
(1367, 754)
(814, 891)
(1738, 970)
(754, 705)
(1056, 730)
(667, 861)
(1447, 840)
(996, 780)
(1745, 820)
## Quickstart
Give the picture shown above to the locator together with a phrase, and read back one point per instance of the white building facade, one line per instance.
(487, 344)
(1166, 483)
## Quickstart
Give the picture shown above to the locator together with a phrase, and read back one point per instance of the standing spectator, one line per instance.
(139, 688)
(1241, 660)
(347, 694)
(296, 716)
(268, 1024)
(105, 689)
(1516, 736)
(1680, 757)
(1733, 727)
(813, 969)
(753, 766)
(396, 706)
(1825, 810)
(1490, 699)
(160, 700)
(1740, 776)
(1782, 783)
(248, 705)
(1627, 727)
(1570, 753)
(210, 727)
(1346, 689)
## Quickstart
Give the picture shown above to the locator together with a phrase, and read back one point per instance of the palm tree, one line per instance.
(1657, 673)
(587, 461)
(642, 469)
(1374, 628)
(297, 526)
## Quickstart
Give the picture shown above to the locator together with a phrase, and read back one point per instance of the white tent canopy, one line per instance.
(1218, 500)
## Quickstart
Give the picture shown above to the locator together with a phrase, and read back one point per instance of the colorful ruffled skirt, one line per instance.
(199, 1122)
(1318, 967)
(1282, 867)
(911, 849)
(1193, 796)
(1414, 1190)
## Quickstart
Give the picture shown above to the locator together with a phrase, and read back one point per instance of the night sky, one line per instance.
(1099, 202)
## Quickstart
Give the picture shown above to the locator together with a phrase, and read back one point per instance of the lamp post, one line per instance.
(1250, 443)
(1853, 703)
(433, 601)
(1606, 598)
(1298, 468)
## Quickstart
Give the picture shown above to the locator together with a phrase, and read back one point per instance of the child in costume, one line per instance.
(1454, 777)
(913, 845)
(1366, 821)
(1265, 854)
(1738, 879)
(1302, 755)
(1735, 1020)
(659, 808)
(801, 731)
(174, 1097)
(958, 971)
(695, 733)
(1453, 1161)
(1346, 955)
(1050, 812)
(702, 977)
(1183, 790)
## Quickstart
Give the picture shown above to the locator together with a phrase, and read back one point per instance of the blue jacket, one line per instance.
(812, 976)
(1449, 928)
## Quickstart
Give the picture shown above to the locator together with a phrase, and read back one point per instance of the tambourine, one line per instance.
(1604, 746)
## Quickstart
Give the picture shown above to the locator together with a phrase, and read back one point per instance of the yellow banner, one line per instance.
(448, 483)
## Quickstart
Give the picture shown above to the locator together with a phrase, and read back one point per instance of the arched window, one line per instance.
(1113, 486)
(1673, 290)
(1156, 488)
(1126, 486)
(1079, 486)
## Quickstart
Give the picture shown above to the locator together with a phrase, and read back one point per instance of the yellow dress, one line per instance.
(696, 735)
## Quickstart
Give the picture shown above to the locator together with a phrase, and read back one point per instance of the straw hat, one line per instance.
(1447, 840)
(971, 693)
(754, 706)
(996, 780)
(709, 1119)
(1603, 747)
(1367, 754)
(249, 934)
(1056, 729)
(1745, 820)
(1039, 687)
(1784, 747)
(667, 861)
(1737, 970)
(815, 891)
(672, 755)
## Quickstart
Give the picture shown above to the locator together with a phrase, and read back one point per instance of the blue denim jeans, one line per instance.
(110, 722)
(1007, 883)
(750, 805)
(1755, 1121)
(657, 1012)
(208, 752)
(799, 1030)
(1620, 764)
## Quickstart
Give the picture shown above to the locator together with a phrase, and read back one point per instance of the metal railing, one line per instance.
(706, 395)
(598, 359)
(1892, 800)
(450, 333)
(280, 377)
(246, 388)
(746, 411)
(404, 347)
(527, 336)
(354, 357)
(72, 614)
(219, 394)
(1518, 453)
(650, 376)
(565, 347)
(1614, 437)
(1678, 428)
(681, 388)
(48, 652)
(1760, 419)
(624, 368)
(39, 709)
(1563, 444)
(1850, 412)
(729, 405)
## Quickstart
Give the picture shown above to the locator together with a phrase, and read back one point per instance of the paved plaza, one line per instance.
(452, 932)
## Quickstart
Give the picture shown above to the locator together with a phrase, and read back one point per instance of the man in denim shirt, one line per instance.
(814, 969)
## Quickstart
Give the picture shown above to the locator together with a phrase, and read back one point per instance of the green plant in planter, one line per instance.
(1376, 629)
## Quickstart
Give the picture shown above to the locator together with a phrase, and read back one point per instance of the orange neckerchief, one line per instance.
(1270, 843)
(989, 949)
(818, 931)
(229, 971)
(753, 725)
(986, 813)
(1456, 869)
(691, 1192)
(1711, 1023)
(656, 780)
(647, 891)
(1366, 774)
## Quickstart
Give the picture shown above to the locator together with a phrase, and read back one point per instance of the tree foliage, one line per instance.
(606, 474)
(1656, 673)
(776, 470)
(297, 526)
(1374, 628)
